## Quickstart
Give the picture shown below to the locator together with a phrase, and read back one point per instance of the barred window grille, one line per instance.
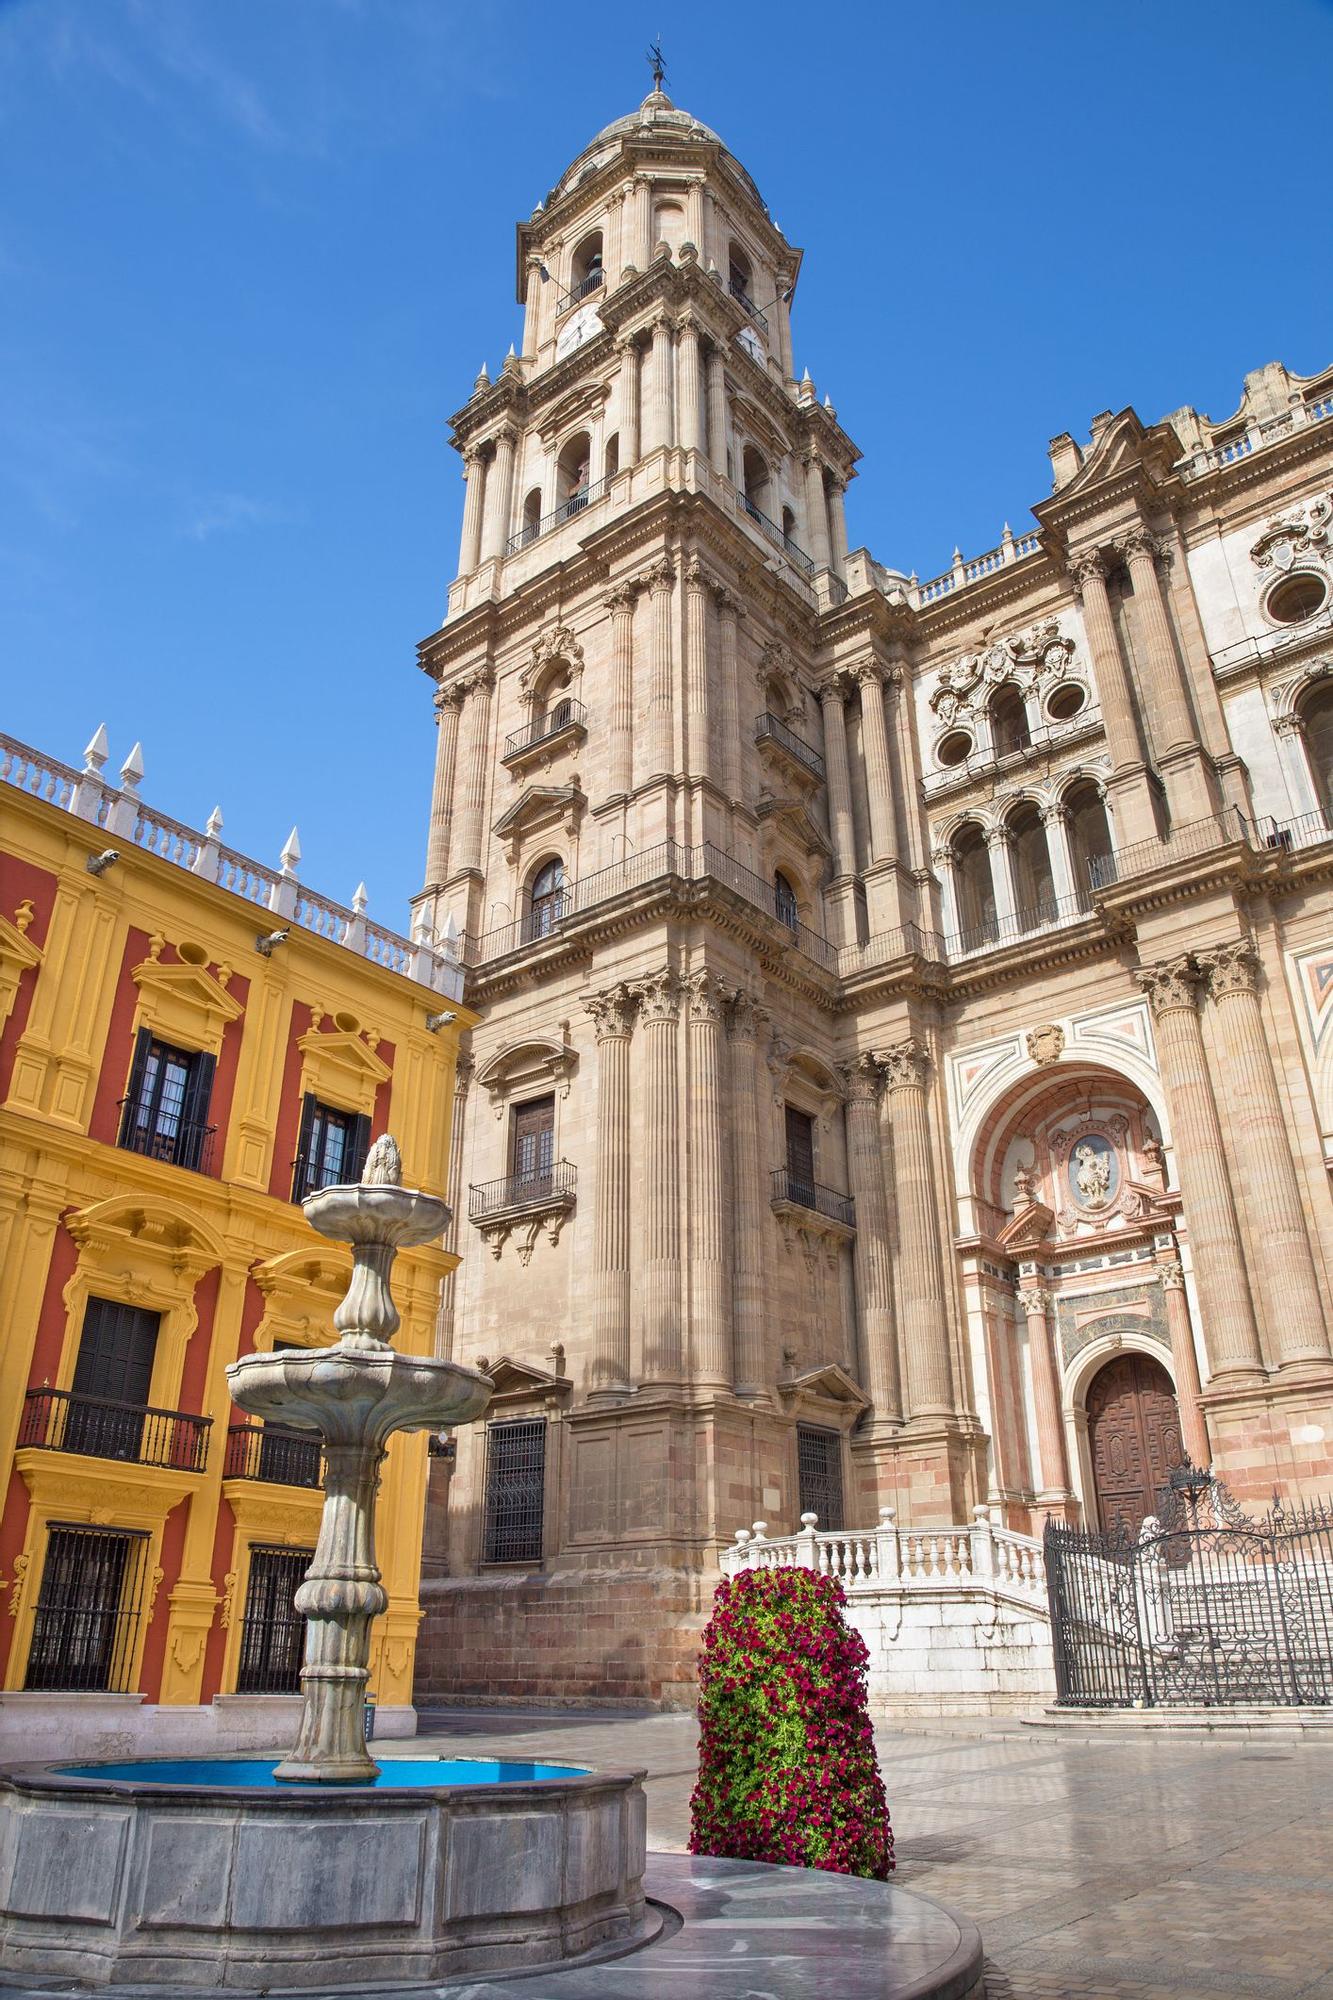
(88, 1609)
(819, 1475)
(273, 1630)
(515, 1490)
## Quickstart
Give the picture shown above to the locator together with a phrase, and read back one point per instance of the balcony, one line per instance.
(1292, 836)
(584, 289)
(794, 1191)
(274, 1454)
(768, 729)
(1049, 914)
(542, 1188)
(95, 1427)
(577, 503)
(1182, 843)
(566, 721)
(747, 305)
(180, 1145)
(795, 554)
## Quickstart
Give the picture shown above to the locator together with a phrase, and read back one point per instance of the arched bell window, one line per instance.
(754, 481)
(1089, 839)
(787, 909)
(549, 898)
(1009, 722)
(1316, 714)
(974, 888)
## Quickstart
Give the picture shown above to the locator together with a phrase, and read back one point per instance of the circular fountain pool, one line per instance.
(250, 1772)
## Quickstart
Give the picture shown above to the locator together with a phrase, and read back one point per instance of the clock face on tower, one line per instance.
(580, 326)
(752, 344)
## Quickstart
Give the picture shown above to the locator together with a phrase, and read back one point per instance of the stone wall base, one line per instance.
(582, 1637)
(37, 1727)
(952, 1653)
(1279, 1436)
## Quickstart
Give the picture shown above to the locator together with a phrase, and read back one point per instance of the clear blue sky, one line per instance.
(253, 251)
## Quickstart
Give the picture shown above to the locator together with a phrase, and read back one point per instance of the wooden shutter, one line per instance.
(357, 1146)
(194, 1110)
(532, 1140)
(116, 1350)
(800, 1147)
(304, 1167)
(143, 1041)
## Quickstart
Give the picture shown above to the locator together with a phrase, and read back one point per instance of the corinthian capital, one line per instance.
(906, 1066)
(862, 1078)
(747, 1017)
(708, 996)
(1141, 541)
(449, 697)
(1230, 968)
(661, 576)
(1035, 1302)
(1171, 1276)
(659, 996)
(1171, 985)
(613, 1012)
(1091, 562)
(621, 596)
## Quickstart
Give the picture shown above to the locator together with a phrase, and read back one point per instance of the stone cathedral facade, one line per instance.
(905, 1071)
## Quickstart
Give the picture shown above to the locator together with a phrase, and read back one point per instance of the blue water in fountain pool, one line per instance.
(258, 1772)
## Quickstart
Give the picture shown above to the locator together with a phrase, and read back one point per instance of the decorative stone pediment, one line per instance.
(1041, 654)
(185, 1003)
(17, 955)
(559, 645)
(148, 1230)
(826, 1393)
(583, 402)
(541, 809)
(1028, 1228)
(341, 1068)
(1298, 537)
(792, 815)
(1121, 445)
(301, 1290)
(521, 1382)
(526, 1067)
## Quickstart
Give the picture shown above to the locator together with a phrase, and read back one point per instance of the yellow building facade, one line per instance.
(189, 1042)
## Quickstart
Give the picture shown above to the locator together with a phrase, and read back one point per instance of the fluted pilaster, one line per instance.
(662, 1348)
(448, 708)
(474, 501)
(1193, 1428)
(628, 348)
(697, 679)
(657, 425)
(748, 1193)
(620, 734)
(689, 401)
(729, 614)
(924, 1309)
(711, 1363)
(661, 749)
(1052, 1455)
(613, 1018)
(872, 1254)
(879, 771)
(476, 766)
(838, 777)
(499, 496)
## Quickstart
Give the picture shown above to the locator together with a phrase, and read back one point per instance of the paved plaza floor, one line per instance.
(1165, 1869)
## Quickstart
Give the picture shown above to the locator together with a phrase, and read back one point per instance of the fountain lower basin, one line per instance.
(240, 1883)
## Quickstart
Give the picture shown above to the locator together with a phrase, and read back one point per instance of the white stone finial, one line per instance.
(213, 824)
(132, 769)
(511, 356)
(483, 378)
(360, 898)
(97, 751)
(450, 935)
(887, 1516)
(810, 1522)
(291, 853)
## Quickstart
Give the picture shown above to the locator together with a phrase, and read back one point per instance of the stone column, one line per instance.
(1283, 1265)
(838, 526)
(1000, 853)
(1055, 819)
(499, 496)
(448, 708)
(717, 411)
(711, 1360)
(690, 433)
(879, 779)
(923, 1308)
(1172, 723)
(444, 1327)
(533, 308)
(816, 509)
(1051, 1453)
(749, 1186)
(1134, 811)
(1293, 754)
(945, 865)
(662, 1356)
(697, 581)
(476, 767)
(1193, 1429)
(657, 397)
(643, 231)
(1229, 1331)
(838, 776)
(729, 613)
(613, 1018)
(661, 744)
(872, 1257)
(620, 736)
(474, 501)
(628, 349)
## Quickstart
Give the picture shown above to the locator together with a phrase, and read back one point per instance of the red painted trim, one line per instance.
(224, 1077)
(224, 1535)
(20, 881)
(118, 1049)
(45, 1362)
(155, 1645)
(287, 1129)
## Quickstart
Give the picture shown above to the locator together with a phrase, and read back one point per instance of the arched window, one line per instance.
(1034, 882)
(973, 888)
(740, 276)
(754, 480)
(787, 908)
(788, 525)
(572, 473)
(585, 269)
(1316, 713)
(532, 516)
(668, 224)
(611, 458)
(1089, 838)
(1009, 722)
(548, 900)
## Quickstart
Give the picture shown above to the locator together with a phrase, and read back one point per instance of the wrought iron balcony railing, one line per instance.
(803, 1193)
(1182, 843)
(275, 1454)
(592, 283)
(797, 555)
(566, 713)
(180, 1146)
(532, 531)
(769, 729)
(1289, 836)
(996, 930)
(58, 1420)
(542, 1187)
(743, 299)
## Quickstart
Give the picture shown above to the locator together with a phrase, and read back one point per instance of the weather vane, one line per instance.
(656, 62)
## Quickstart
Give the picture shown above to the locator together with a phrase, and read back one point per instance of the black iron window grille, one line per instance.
(736, 286)
(534, 1186)
(573, 503)
(792, 1187)
(330, 1149)
(62, 1420)
(88, 1610)
(819, 1474)
(592, 283)
(272, 1630)
(515, 1491)
(274, 1453)
(164, 1113)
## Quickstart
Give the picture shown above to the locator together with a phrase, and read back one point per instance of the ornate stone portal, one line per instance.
(355, 1395)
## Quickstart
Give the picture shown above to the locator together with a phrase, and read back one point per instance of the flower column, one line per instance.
(1051, 1453)
(1193, 1429)
(747, 1193)
(613, 1018)
(448, 708)
(620, 736)
(1230, 1334)
(662, 1356)
(710, 1357)
(924, 1316)
(871, 1255)
(1284, 1267)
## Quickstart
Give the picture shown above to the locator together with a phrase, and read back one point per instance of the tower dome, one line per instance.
(659, 120)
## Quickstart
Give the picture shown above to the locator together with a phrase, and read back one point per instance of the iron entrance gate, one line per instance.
(1204, 1608)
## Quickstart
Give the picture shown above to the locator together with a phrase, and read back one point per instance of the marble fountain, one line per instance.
(324, 1869)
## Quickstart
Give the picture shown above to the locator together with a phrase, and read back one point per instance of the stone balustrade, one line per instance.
(121, 814)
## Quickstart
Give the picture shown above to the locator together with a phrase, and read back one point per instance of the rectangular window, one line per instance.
(532, 1145)
(331, 1149)
(515, 1491)
(164, 1113)
(273, 1630)
(113, 1374)
(88, 1610)
(800, 1156)
(819, 1475)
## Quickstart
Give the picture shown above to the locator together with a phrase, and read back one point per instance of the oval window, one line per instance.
(1066, 703)
(1297, 598)
(954, 749)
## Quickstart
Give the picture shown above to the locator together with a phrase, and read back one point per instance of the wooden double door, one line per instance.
(1134, 1437)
